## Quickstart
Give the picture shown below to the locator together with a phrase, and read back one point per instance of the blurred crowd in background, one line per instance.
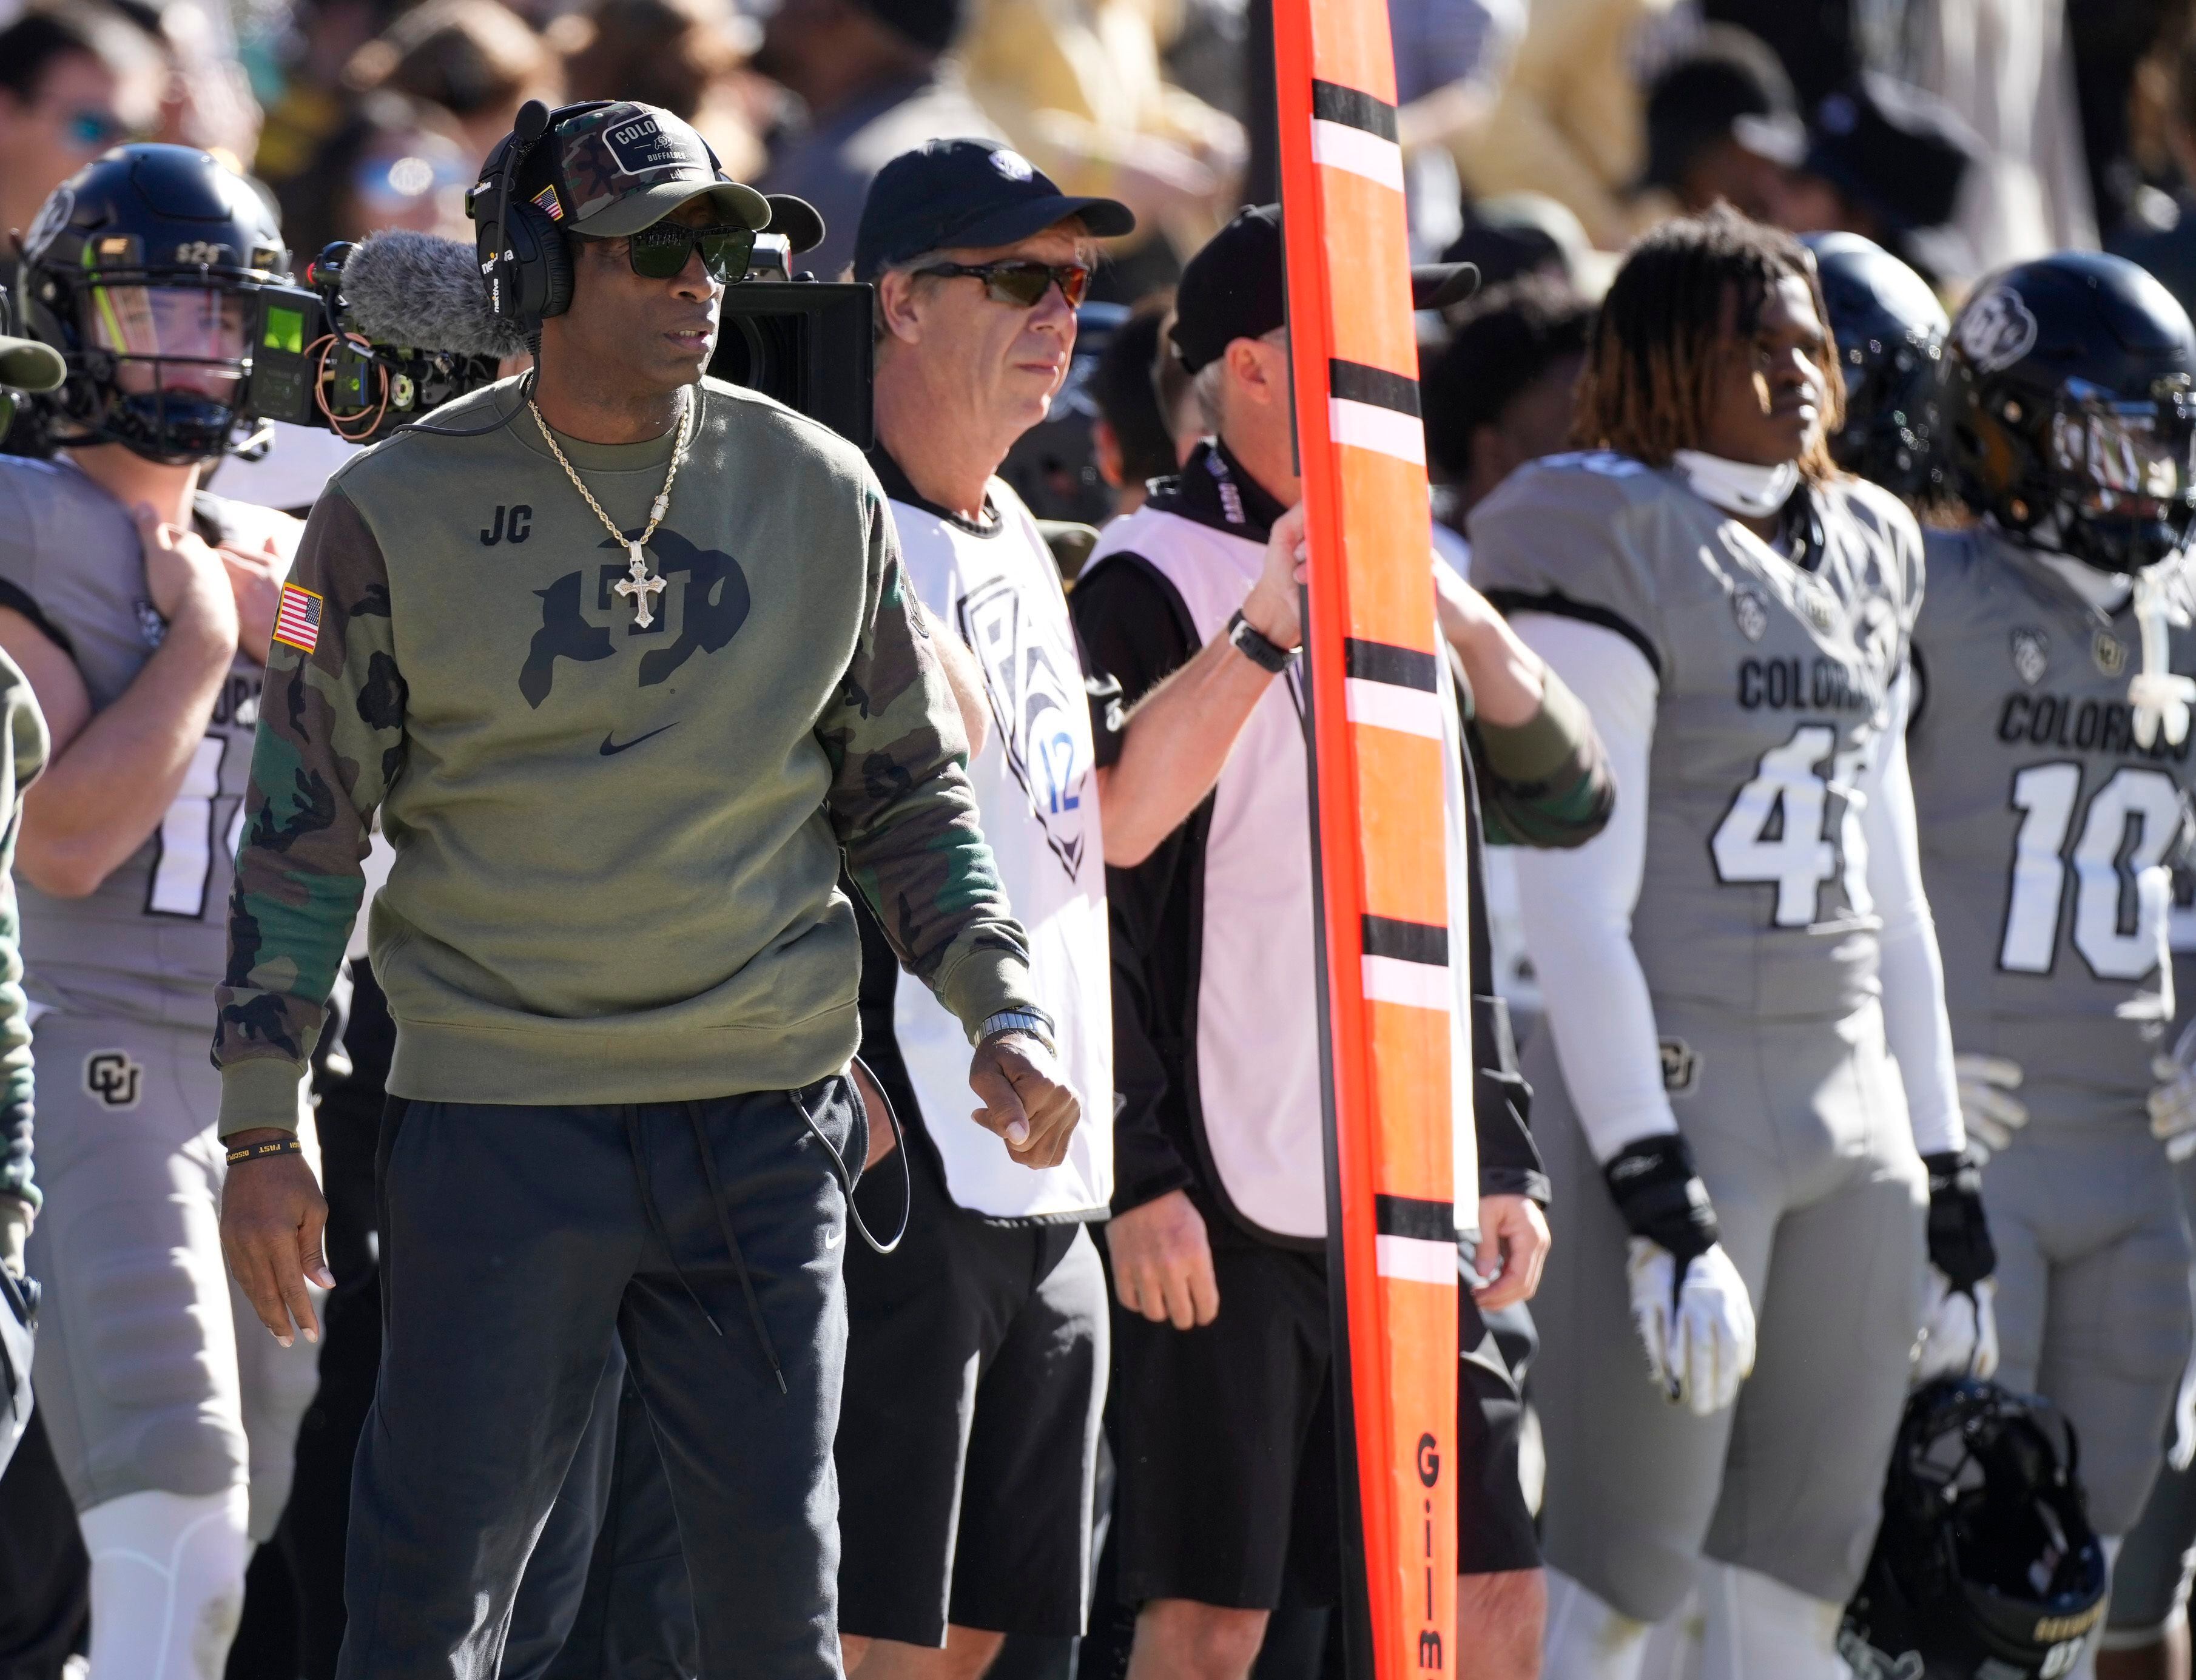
(1541, 135)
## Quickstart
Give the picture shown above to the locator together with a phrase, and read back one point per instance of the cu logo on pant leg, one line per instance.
(113, 1078)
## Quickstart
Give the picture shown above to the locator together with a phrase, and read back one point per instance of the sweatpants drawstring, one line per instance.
(636, 1147)
(716, 1206)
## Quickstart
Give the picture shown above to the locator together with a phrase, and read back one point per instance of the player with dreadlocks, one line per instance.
(1730, 970)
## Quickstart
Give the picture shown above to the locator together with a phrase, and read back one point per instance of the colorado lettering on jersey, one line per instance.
(1821, 684)
(2084, 725)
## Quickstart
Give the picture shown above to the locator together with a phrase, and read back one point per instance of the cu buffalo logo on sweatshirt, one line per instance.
(704, 602)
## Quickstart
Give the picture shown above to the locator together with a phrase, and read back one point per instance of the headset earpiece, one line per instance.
(541, 278)
(524, 261)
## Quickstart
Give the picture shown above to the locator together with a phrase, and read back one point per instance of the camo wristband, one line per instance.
(254, 1151)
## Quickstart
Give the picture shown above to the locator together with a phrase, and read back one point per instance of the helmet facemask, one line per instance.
(2124, 472)
(160, 368)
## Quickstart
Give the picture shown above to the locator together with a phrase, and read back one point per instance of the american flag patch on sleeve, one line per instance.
(297, 619)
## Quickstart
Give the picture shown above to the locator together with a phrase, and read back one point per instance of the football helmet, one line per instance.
(140, 270)
(2073, 393)
(1985, 1567)
(1890, 333)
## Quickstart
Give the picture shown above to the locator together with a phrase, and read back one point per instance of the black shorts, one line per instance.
(976, 1356)
(1227, 1434)
(1494, 1525)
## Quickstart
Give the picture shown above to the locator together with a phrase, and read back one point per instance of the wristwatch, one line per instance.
(1261, 649)
(1018, 1021)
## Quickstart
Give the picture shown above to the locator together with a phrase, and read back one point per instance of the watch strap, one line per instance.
(1254, 645)
(1030, 1021)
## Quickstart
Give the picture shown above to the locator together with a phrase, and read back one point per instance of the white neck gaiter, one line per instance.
(1751, 492)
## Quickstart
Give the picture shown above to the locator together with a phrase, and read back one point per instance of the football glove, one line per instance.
(2173, 1104)
(1959, 1331)
(1697, 1327)
(1687, 1301)
(1959, 1325)
(1990, 1113)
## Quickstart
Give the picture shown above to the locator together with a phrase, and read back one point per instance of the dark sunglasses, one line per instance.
(1023, 284)
(660, 252)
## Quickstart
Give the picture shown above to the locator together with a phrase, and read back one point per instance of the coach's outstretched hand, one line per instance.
(1026, 1099)
(273, 1217)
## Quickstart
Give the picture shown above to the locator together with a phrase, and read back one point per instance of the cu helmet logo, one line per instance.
(1996, 330)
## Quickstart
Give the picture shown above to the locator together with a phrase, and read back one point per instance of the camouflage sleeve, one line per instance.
(22, 756)
(901, 804)
(1546, 782)
(330, 738)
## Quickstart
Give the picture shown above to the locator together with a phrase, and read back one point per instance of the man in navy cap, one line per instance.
(977, 1354)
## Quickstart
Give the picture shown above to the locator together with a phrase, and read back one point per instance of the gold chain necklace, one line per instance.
(639, 586)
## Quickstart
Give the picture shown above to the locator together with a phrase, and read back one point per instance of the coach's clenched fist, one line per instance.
(1027, 1100)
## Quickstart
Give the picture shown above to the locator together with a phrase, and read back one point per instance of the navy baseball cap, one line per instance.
(1236, 286)
(967, 194)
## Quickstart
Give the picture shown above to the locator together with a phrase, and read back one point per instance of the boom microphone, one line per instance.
(401, 288)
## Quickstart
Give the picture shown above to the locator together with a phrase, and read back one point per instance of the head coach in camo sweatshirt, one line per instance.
(626, 660)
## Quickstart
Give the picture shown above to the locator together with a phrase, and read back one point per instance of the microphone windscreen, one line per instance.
(424, 293)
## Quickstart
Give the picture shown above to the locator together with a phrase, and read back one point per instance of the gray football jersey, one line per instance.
(151, 944)
(2048, 836)
(1773, 676)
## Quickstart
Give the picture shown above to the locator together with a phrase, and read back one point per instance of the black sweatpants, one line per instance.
(518, 1240)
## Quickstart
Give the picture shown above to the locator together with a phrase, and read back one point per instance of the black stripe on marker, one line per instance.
(1411, 1216)
(1385, 661)
(1332, 102)
(1407, 941)
(1355, 382)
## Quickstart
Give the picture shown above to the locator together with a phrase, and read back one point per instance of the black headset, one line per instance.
(524, 262)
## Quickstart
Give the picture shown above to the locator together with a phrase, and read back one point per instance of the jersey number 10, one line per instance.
(2122, 891)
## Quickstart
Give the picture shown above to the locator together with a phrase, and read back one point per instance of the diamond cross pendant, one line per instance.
(640, 589)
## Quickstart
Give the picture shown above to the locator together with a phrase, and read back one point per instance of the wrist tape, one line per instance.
(1960, 1244)
(1658, 1191)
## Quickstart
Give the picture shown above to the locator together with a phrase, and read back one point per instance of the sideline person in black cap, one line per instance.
(1224, 1405)
(873, 77)
(1884, 160)
(977, 1352)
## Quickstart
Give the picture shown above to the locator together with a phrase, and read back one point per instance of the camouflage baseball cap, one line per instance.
(609, 172)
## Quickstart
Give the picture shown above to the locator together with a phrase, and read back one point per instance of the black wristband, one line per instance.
(1960, 1244)
(254, 1151)
(1660, 1194)
(1254, 645)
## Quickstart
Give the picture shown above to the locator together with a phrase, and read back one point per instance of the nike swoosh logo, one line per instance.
(610, 748)
(833, 1239)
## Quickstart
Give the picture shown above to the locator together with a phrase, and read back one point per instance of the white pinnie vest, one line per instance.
(1259, 1097)
(998, 590)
